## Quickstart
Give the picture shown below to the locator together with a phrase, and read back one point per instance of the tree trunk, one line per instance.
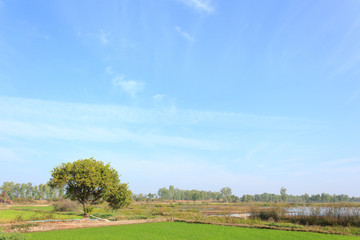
(86, 215)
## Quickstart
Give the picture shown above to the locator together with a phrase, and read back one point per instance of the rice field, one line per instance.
(177, 230)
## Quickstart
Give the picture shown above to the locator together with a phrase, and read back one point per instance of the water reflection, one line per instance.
(323, 211)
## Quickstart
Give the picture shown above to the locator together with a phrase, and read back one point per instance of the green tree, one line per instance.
(226, 193)
(283, 194)
(91, 182)
(163, 193)
(6, 189)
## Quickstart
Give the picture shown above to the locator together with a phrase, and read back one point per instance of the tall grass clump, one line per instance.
(273, 213)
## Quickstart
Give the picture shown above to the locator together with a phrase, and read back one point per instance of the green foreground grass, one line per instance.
(176, 230)
(8, 215)
(38, 208)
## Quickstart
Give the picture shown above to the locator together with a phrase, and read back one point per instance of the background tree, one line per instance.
(91, 182)
(6, 189)
(283, 194)
(226, 193)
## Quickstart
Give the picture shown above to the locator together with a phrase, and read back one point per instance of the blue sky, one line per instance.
(199, 94)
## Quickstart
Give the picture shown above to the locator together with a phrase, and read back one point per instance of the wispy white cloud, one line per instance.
(109, 70)
(104, 38)
(127, 44)
(92, 133)
(27, 118)
(37, 33)
(184, 34)
(200, 5)
(131, 87)
(42, 110)
(158, 97)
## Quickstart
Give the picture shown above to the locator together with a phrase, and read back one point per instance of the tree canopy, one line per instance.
(283, 194)
(91, 182)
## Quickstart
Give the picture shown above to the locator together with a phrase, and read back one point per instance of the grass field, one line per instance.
(174, 231)
(8, 215)
(206, 212)
(38, 208)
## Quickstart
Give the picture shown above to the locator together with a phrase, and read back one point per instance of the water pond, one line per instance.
(323, 211)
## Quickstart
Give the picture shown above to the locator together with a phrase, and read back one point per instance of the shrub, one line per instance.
(65, 206)
(19, 218)
(12, 236)
(273, 213)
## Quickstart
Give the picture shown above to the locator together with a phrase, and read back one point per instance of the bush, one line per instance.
(65, 206)
(12, 236)
(19, 218)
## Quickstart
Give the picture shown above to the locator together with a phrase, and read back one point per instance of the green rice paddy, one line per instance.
(177, 231)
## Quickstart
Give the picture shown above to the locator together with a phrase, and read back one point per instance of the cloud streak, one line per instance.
(38, 110)
(131, 87)
(200, 5)
(91, 133)
(163, 126)
(104, 38)
(184, 34)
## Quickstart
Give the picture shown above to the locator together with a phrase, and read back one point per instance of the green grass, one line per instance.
(36, 208)
(8, 215)
(174, 231)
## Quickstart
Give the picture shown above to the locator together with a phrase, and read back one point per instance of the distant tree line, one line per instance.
(305, 198)
(225, 195)
(11, 191)
(172, 193)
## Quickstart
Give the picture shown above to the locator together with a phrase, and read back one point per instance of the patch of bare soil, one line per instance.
(51, 226)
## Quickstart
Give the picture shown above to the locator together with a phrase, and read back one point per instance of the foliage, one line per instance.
(118, 197)
(305, 198)
(283, 194)
(65, 205)
(173, 193)
(22, 192)
(91, 182)
(226, 194)
(190, 195)
(272, 213)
